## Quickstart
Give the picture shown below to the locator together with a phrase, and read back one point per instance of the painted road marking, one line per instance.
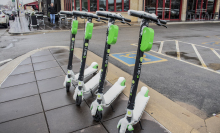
(199, 56)
(4, 61)
(218, 72)
(215, 53)
(161, 47)
(212, 43)
(128, 58)
(177, 50)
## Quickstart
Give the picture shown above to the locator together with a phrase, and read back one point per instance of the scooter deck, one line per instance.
(113, 92)
(140, 103)
(88, 71)
(92, 83)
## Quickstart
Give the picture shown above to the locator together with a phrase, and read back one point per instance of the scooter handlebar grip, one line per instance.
(133, 13)
(128, 20)
(100, 13)
(104, 18)
(66, 12)
(163, 21)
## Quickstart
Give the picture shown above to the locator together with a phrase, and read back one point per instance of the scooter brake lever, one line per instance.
(164, 26)
(128, 24)
(104, 22)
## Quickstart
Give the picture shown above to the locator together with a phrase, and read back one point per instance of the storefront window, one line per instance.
(210, 6)
(175, 9)
(126, 5)
(150, 6)
(118, 5)
(200, 9)
(102, 5)
(110, 5)
(77, 5)
(84, 5)
(73, 5)
(93, 5)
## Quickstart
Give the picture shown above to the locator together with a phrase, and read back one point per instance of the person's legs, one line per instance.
(51, 18)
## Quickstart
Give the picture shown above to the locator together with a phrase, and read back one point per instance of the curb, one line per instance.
(168, 113)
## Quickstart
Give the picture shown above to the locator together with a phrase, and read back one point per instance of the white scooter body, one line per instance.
(88, 86)
(88, 71)
(141, 101)
(109, 96)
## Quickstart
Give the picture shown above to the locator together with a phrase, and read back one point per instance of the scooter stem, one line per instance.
(136, 76)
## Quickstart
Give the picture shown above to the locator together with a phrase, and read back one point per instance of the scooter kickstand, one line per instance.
(112, 108)
(141, 125)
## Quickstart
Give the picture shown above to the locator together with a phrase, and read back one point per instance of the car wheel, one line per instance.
(6, 25)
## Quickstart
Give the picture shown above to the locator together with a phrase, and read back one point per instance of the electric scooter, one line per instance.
(137, 104)
(92, 69)
(84, 88)
(111, 38)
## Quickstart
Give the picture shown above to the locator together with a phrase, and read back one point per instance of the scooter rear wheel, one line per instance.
(98, 116)
(78, 100)
(67, 86)
(125, 131)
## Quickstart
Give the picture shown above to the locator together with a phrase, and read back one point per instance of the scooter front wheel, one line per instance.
(78, 100)
(98, 116)
(67, 86)
(127, 131)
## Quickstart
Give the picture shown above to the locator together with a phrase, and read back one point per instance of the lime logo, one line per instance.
(129, 112)
(73, 39)
(131, 94)
(101, 70)
(100, 80)
(79, 83)
(84, 56)
(86, 44)
(137, 76)
(108, 51)
(106, 65)
(72, 49)
(133, 82)
(98, 96)
(141, 59)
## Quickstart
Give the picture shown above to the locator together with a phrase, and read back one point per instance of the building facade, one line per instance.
(171, 10)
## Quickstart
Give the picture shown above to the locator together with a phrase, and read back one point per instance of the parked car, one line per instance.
(4, 19)
(11, 14)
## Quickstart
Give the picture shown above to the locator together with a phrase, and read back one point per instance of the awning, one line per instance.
(32, 4)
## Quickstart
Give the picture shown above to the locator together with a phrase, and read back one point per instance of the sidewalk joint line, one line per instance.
(41, 99)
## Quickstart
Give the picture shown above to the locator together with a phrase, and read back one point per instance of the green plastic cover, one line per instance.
(74, 27)
(147, 39)
(112, 34)
(89, 29)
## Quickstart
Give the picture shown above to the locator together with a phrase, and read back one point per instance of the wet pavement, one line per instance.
(182, 80)
(33, 99)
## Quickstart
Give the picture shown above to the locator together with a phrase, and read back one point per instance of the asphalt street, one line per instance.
(185, 82)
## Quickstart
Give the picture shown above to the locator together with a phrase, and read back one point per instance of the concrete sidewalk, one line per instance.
(33, 99)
